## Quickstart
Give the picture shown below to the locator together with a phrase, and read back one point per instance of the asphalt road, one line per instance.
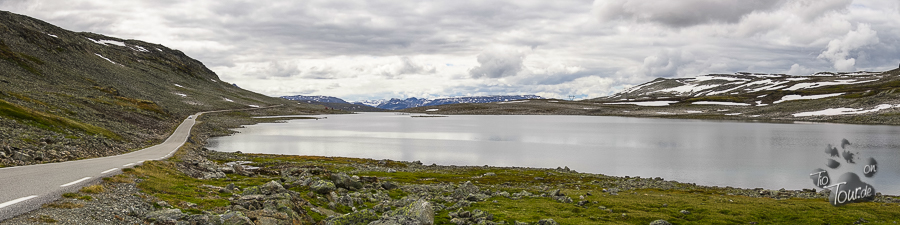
(26, 188)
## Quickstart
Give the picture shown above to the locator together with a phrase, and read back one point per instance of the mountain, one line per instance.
(68, 95)
(317, 98)
(396, 104)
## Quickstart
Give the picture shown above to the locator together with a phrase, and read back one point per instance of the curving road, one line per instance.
(26, 188)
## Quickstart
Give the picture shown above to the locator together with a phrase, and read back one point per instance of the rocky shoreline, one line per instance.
(236, 188)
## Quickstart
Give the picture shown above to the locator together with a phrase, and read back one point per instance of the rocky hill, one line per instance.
(316, 98)
(68, 95)
(857, 97)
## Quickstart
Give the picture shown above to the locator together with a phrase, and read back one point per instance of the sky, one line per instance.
(359, 50)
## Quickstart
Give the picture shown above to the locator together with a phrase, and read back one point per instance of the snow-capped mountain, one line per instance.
(739, 84)
(317, 98)
(395, 103)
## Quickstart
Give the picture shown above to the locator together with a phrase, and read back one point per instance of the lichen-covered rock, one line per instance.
(165, 215)
(417, 212)
(321, 186)
(547, 222)
(387, 185)
(358, 217)
(660, 222)
(464, 190)
(235, 218)
(342, 180)
(272, 187)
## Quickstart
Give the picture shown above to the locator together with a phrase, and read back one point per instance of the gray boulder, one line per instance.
(419, 212)
(322, 186)
(547, 222)
(660, 222)
(342, 180)
(272, 187)
(235, 218)
(165, 215)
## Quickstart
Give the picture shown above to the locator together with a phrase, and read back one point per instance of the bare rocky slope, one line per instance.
(68, 95)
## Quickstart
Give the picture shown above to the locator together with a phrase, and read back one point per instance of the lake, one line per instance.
(715, 153)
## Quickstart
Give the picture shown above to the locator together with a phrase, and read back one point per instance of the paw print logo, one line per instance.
(848, 187)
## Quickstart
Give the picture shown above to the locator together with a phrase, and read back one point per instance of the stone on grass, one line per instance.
(660, 222)
(322, 186)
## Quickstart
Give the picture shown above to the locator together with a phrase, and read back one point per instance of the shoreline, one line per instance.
(379, 190)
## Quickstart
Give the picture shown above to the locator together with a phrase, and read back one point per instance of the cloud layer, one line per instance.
(383, 49)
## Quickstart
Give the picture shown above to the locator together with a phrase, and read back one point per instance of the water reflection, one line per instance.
(704, 152)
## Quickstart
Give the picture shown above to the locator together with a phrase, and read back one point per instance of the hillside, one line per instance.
(859, 97)
(66, 95)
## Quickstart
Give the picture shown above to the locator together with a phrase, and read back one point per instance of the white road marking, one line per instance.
(109, 170)
(22, 199)
(127, 165)
(75, 182)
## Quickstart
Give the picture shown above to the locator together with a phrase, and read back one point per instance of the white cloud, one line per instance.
(374, 49)
(839, 50)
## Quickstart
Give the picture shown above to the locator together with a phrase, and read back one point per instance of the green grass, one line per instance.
(93, 189)
(49, 121)
(164, 181)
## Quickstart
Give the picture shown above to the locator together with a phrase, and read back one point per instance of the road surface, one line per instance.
(26, 188)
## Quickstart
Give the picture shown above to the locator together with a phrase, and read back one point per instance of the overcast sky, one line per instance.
(360, 50)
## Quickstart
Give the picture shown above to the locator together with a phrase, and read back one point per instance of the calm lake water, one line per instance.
(720, 153)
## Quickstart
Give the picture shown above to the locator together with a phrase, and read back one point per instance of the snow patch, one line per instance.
(179, 86)
(759, 103)
(106, 59)
(798, 78)
(51, 35)
(842, 111)
(513, 102)
(693, 111)
(254, 106)
(108, 42)
(827, 83)
(720, 103)
(214, 81)
(228, 100)
(705, 78)
(732, 114)
(653, 103)
(139, 48)
(799, 97)
(431, 110)
(180, 94)
(663, 113)
(552, 101)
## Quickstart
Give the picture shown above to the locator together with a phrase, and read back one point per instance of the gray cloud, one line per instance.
(497, 63)
(682, 13)
(379, 49)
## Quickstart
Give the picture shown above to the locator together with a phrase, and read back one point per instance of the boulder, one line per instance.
(547, 222)
(165, 215)
(322, 186)
(387, 185)
(464, 190)
(235, 218)
(660, 222)
(272, 187)
(417, 212)
(342, 180)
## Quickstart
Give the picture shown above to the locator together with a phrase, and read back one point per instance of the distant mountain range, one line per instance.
(395, 103)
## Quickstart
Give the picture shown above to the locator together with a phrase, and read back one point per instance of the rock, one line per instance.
(358, 217)
(235, 218)
(272, 187)
(21, 156)
(521, 223)
(254, 190)
(556, 193)
(387, 185)
(660, 222)
(464, 190)
(341, 180)
(165, 215)
(230, 187)
(685, 212)
(163, 204)
(547, 222)
(417, 212)
(489, 174)
(322, 186)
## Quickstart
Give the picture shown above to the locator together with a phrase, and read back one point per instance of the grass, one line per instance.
(43, 219)
(164, 181)
(93, 189)
(71, 195)
(49, 121)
